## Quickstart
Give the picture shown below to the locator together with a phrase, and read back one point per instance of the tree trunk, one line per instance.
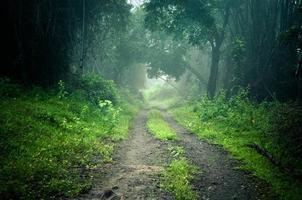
(216, 44)
(214, 70)
(227, 75)
(83, 38)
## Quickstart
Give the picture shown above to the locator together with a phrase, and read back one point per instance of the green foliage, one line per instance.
(165, 56)
(237, 122)
(285, 134)
(8, 89)
(95, 88)
(177, 151)
(48, 142)
(176, 179)
(110, 114)
(184, 19)
(158, 127)
(46, 56)
(238, 53)
(62, 90)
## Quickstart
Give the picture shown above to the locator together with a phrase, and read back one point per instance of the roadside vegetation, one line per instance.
(177, 177)
(265, 136)
(52, 138)
(158, 127)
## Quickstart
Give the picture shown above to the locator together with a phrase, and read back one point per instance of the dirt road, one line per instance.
(139, 159)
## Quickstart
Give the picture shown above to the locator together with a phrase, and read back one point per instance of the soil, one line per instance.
(138, 161)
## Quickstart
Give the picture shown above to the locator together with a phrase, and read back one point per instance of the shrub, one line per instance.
(8, 89)
(95, 88)
(285, 134)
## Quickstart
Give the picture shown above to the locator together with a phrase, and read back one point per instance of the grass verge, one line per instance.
(158, 127)
(48, 143)
(234, 136)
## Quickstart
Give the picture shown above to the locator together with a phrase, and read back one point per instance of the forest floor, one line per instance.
(139, 160)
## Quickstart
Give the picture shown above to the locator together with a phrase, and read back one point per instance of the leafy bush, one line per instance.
(109, 112)
(284, 137)
(95, 88)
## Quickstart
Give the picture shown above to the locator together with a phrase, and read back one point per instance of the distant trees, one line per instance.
(253, 42)
(264, 37)
(37, 34)
(45, 37)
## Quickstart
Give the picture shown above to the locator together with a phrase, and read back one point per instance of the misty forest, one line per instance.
(151, 99)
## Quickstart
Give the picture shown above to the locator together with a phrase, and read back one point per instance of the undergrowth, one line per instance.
(237, 122)
(159, 127)
(49, 139)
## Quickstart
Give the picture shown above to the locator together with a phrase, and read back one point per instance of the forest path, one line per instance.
(134, 173)
(219, 179)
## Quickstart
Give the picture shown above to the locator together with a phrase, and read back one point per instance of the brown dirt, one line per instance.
(135, 171)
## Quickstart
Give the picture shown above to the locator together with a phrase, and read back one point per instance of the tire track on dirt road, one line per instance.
(135, 172)
(218, 180)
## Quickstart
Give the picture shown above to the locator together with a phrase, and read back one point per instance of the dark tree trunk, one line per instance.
(227, 75)
(214, 70)
(216, 43)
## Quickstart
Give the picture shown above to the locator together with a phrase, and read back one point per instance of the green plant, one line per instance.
(176, 151)
(176, 179)
(109, 112)
(62, 91)
(48, 143)
(95, 88)
(158, 127)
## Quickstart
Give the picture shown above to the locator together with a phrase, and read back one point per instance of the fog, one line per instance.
(78, 72)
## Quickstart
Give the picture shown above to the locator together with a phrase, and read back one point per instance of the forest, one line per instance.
(151, 99)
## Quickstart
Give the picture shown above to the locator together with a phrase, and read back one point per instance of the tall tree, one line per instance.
(264, 37)
(200, 22)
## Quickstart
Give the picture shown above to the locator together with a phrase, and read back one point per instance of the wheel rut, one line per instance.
(219, 179)
(134, 173)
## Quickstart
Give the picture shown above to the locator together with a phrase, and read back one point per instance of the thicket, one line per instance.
(49, 138)
(278, 124)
